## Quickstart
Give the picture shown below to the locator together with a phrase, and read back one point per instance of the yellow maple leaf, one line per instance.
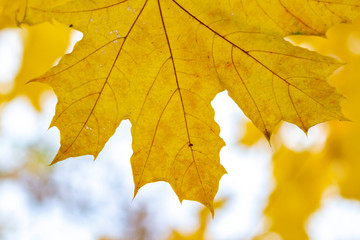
(159, 63)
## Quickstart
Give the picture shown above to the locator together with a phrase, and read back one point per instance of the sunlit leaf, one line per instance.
(160, 64)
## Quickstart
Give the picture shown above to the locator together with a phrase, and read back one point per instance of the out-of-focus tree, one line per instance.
(301, 176)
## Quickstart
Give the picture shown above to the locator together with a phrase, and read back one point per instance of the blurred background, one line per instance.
(302, 187)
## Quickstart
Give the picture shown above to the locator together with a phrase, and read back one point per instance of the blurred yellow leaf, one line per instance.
(251, 134)
(204, 218)
(300, 180)
(43, 45)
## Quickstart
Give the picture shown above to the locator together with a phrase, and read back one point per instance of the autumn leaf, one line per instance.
(160, 63)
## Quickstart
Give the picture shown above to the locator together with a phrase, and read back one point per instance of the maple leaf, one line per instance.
(160, 63)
